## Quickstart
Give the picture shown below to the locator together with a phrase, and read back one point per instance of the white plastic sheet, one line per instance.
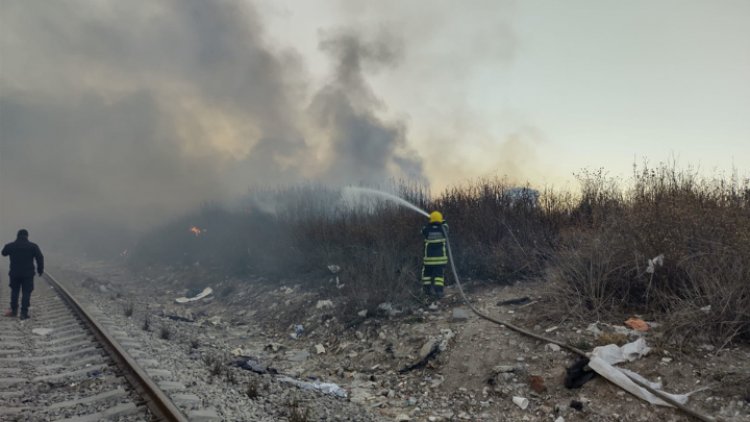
(207, 291)
(326, 387)
(614, 354)
(603, 359)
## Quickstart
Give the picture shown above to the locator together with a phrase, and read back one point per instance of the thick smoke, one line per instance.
(362, 145)
(132, 111)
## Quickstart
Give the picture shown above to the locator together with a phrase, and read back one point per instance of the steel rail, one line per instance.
(160, 405)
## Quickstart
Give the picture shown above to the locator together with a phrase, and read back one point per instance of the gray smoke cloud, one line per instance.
(362, 145)
(138, 110)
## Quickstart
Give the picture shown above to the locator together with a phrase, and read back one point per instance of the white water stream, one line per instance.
(353, 190)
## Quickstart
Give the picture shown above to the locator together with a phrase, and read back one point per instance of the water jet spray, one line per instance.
(353, 190)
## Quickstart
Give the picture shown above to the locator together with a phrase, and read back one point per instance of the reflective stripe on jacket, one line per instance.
(434, 244)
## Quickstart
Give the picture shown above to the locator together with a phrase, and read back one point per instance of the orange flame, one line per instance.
(196, 231)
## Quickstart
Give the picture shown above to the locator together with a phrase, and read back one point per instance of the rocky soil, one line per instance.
(257, 350)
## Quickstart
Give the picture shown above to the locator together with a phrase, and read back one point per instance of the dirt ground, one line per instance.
(475, 368)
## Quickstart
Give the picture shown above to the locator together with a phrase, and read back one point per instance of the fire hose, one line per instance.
(575, 350)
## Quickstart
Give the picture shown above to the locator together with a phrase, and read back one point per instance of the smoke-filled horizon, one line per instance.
(135, 111)
(127, 113)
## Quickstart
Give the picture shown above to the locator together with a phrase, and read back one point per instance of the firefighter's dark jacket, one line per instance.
(22, 255)
(434, 244)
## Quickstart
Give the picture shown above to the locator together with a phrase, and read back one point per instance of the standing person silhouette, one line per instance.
(22, 255)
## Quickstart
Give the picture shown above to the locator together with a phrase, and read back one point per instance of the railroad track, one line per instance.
(63, 365)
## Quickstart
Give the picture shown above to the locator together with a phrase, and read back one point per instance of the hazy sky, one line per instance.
(140, 109)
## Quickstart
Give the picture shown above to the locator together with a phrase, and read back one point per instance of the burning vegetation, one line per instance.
(593, 247)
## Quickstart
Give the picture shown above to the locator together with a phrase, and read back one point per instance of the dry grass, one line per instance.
(702, 229)
(604, 339)
(297, 413)
(252, 390)
(128, 309)
(594, 246)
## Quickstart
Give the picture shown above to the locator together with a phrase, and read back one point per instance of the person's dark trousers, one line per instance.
(24, 286)
(433, 280)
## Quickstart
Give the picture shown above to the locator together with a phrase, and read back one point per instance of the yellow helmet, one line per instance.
(436, 217)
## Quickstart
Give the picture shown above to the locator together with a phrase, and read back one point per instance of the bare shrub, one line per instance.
(165, 333)
(594, 245)
(128, 309)
(229, 375)
(702, 230)
(714, 301)
(252, 389)
(501, 232)
(214, 362)
(297, 413)
(146, 323)
(604, 339)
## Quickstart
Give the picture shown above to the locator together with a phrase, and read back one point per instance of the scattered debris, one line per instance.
(614, 354)
(604, 358)
(387, 309)
(250, 364)
(599, 329)
(536, 383)
(459, 314)
(577, 405)
(94, 374)
(501, 369)
(706, 309)
(517, 301)
(430, 349)
(362, 313)
(286, 290)
(320, 349)
(299, 329)
(324, 304)
(205, 293)
(334, 269)
(325, 387)
(179, 318)
(552, 347)
(637, 324)
(594, 329)
(297, 355)
(274, 347)
(521, 402)
(655, 262)
(578, 374)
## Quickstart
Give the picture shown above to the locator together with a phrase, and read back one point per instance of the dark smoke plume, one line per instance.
(133, 111)
(362, 145)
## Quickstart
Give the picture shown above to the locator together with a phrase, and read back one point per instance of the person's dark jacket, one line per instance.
(22, 254)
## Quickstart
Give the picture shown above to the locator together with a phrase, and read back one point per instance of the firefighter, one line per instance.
(435, 255)
(22, 255)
